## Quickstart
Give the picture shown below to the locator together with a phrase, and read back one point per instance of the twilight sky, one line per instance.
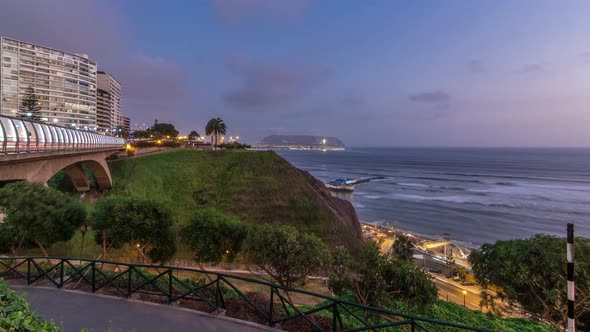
(374, 73)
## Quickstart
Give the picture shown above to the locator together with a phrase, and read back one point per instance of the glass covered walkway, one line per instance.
(22, 136)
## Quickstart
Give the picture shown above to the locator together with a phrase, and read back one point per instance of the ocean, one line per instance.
(475, 195)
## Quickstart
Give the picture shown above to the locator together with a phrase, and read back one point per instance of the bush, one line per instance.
(287, 255)
(36, 215)
(213, 236)
(142, 224)
(378, 279)
(16, 315)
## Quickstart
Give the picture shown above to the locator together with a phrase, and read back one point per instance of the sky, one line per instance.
(371, 72)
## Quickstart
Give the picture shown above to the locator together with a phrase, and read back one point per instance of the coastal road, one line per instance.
(452, 293)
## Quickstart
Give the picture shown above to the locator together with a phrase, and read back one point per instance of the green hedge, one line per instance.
(15, 314)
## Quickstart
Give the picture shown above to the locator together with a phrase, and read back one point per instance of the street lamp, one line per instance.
(464, 294)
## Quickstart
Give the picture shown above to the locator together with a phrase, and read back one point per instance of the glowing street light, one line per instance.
(464, 295)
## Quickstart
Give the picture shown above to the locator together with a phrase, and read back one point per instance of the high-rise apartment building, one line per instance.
(126, 124)
(110, 85)
(103, 112)
(64, 83)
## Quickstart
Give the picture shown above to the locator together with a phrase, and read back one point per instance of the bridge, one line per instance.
(36, 151)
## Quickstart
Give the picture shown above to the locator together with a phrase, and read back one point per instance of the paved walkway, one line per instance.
(74, 311)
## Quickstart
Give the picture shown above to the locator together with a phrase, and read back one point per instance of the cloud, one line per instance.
(266, 85)
(476, 66)
(353, 100)
(151, 78)
(235, 11)
(434, 97)
(530, 68)
(100, 31)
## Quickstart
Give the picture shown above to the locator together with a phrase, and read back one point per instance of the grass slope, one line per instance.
(258, 187)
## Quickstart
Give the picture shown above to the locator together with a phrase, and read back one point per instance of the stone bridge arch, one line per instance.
(40, 169)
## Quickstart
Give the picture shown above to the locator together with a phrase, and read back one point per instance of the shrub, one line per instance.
(16, 315)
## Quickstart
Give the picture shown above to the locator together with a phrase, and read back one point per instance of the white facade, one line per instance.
(109, 84)
(65, 83)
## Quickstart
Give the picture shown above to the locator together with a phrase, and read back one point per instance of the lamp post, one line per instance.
(464, 295)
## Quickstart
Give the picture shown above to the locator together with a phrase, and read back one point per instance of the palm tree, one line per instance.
(215, 127)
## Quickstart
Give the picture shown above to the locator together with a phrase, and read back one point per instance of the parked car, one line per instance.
(467, 283)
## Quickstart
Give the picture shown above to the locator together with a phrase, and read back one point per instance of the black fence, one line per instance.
(214, 291)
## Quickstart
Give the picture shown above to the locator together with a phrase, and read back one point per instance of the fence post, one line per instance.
(270, 309)
(129, 280)
(170, 297)
(334, 317)
(28, 270)
(571, 289)
(61, 274)
(93, 267)
(413, 326)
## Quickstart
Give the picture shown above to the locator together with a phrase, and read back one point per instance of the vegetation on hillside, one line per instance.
(257, 187)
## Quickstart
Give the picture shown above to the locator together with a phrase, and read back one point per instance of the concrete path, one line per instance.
(74, 311)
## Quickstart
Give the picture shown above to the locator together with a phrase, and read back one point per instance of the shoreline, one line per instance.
(385, 238)
(422, 237)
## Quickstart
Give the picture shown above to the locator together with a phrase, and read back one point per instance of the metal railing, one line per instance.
(213, 290)
(23, 136)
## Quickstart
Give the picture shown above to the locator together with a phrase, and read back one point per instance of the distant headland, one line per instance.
(299, 142)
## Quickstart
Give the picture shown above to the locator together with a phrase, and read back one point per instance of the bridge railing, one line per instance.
(272, 304)
(23, 136)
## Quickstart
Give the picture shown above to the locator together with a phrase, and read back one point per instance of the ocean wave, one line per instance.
(441, 179)
(456, 199)
(373, 197)
(408, 184)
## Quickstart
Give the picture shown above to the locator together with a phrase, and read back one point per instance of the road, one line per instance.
(452, 293)
(74, 311)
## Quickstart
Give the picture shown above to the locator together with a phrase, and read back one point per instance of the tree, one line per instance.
(377, 278)
(341, 265)
(193, 135)
(402, 248)
(285, 254)
(450, 261)
(461, 272)
(141, 224)
(213, 236)
(532, 273)
(37, 215)
(164, 130)
(214, 128)
(29, 108)
(142, 133)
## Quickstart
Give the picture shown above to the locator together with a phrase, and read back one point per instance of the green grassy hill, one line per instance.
(258, 187)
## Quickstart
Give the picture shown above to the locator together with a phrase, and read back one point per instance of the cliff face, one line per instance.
(343, 209)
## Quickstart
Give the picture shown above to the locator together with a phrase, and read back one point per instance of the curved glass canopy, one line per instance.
(20, 136)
